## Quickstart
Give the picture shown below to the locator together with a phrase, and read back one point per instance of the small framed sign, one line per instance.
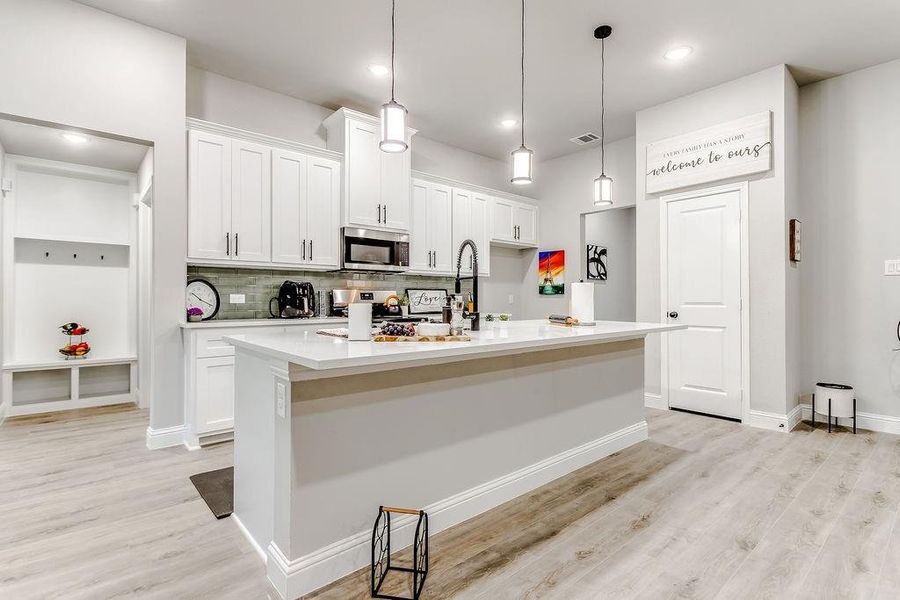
(426, 301)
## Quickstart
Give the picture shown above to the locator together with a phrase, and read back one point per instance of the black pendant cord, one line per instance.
(523, 73)
(602, 106)
(393, 11)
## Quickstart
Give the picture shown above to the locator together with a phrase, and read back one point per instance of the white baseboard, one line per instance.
(165, 437)
(794, 417)
(774, 421)
(654, 401)
(294, 578)
(243, 530)
(870, 421)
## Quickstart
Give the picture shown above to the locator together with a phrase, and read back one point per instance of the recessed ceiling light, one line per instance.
(678, 53)
(75, 138)
(509, 123)
(379, 70)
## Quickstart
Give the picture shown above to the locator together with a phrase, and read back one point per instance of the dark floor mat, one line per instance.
(217, 490)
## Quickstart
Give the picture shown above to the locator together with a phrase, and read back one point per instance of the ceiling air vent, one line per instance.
(585, 138)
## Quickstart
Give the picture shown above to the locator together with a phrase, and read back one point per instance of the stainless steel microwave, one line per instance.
(374, 250)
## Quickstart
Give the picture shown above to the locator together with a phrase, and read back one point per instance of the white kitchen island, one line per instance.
(327, 430)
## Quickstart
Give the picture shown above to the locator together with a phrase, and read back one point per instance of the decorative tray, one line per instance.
(421, 338)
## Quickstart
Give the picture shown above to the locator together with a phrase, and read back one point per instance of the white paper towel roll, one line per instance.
(360, 325)
(581, 301)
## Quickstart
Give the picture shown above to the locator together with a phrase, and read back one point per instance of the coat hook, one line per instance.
(46, 255)
(101, 257)
(75, 256)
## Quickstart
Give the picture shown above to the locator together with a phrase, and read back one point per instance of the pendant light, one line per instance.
(523, 158)
(603, 183)
(393, 114)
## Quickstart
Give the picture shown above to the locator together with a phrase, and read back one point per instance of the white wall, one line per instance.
(78, 66)
(565, 188)
(614, 299)
(849, 158)
(761, 91)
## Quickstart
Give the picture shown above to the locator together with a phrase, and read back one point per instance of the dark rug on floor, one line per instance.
(217, 490)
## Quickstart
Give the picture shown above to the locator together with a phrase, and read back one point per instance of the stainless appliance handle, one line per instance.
(304, 250)
(227, 243)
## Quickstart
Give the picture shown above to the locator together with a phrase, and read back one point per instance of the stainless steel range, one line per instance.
(385, 304)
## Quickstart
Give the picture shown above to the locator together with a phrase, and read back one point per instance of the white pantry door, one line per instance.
(702, 279)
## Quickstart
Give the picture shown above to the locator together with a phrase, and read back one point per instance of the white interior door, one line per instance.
(702, 289)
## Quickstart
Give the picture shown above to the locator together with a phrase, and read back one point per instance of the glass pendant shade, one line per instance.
(393, 127)
(603, 191)
(523, 160)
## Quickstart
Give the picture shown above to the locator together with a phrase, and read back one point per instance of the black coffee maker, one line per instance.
(296, 300)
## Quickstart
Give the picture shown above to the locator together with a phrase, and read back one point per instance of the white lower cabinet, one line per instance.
(209, 376)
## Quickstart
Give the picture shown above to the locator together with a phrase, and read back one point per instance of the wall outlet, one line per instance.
(892, 267)
(236, 298)
(280, 399)
(512, 299)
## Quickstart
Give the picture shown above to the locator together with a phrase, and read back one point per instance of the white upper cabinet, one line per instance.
(251, 201)
(376, 190)
(259, 202)
(430, 237)
(470, 221)
(305, 209)
(209, 189)
(514, 223)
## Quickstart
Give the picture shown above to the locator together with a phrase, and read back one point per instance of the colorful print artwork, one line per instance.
(551, 272)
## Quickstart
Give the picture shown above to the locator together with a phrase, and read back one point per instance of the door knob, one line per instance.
(673, 314)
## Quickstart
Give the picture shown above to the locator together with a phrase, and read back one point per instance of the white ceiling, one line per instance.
(39, 141)
(457, 62)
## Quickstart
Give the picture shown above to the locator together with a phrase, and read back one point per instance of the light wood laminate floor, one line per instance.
(704, 509)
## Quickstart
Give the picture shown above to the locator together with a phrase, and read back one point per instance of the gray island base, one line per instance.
(328, 430)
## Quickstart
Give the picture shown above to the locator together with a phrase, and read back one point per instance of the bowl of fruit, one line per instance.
(398, 329)
(75, 349)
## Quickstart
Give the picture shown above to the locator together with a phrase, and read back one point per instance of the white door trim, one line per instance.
(743, 188)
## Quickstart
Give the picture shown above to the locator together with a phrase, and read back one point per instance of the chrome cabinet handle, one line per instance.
(304, 250)
(227, 243)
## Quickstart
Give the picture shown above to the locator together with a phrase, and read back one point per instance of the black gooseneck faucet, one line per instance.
(458, 285)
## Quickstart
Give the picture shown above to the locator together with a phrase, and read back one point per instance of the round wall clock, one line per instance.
(203, 295)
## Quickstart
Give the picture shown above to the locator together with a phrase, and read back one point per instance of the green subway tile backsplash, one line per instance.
(259, 285)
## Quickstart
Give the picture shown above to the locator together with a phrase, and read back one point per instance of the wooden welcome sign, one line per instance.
(732, 149)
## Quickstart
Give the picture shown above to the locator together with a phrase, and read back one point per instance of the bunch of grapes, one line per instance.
(398, 329)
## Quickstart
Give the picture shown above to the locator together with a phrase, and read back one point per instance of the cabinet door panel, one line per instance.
(395, 191)
(479, 225)
(462, 230)
(289, 206)
(363, 163)
(209, 195)
(502, 220)
(419, 241)
(526, 219)
(251, 213)
(323, 216)
(215, 394)
(440, 211)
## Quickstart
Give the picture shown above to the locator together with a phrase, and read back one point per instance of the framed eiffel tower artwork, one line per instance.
(552, 272)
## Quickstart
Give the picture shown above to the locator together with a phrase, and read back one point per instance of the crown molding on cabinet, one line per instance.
(261, 138)
(344, 112)
(472, 187)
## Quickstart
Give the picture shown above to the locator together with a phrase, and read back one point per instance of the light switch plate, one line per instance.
(280, 393)
(512, 299)
(236, 298)
(892, 267)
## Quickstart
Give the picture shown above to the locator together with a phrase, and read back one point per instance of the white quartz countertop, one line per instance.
(308, 349)
(324, 321)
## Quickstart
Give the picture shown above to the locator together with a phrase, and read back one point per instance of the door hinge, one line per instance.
(6, 185)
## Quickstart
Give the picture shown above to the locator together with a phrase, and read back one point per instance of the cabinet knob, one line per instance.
(673, 314)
